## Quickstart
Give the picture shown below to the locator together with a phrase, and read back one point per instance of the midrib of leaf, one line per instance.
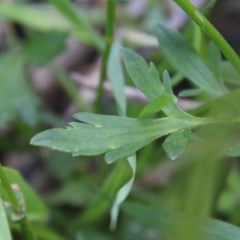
(102, 139)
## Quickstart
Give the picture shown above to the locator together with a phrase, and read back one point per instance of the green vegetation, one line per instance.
(111, 169)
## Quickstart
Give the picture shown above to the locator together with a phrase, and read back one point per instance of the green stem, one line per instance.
(9, 190)
(210, 31)
(109, 38)
(23, 223)
(197, 38)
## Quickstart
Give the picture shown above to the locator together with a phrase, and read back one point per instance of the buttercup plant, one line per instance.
(201, 140)
(120, 137)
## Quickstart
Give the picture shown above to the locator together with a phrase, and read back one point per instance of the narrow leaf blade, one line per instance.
(43, 19)
(186, 61)
(16, 98)
(145, 78)
(115, 74)
(175, 144)
(70, 12)
(4, 227)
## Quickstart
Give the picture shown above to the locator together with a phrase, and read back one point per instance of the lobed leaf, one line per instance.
(116, 136)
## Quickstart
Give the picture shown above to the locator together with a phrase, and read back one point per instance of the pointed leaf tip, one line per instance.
(145, 76)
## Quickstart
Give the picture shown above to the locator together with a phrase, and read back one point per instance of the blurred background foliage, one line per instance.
(49, 69)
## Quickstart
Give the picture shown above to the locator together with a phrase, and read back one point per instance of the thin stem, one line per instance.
(109, 38)
(197, 38)
(210, 31)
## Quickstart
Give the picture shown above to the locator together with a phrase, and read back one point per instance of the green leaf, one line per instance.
(176, 143)
(225, 107)
(123, 192)
(169, 222)
(116, 136)
(186, 61)
(190, 92)
(114, 181)
(35, 208)
(144, 76)
(42, 55)
(70, 12)
(230, 74)
(214, 61)
(116, 77)
(16, 97)
(4, 227)
(147, 79)
(167, 82)
(44, 17)
(35, 16)
(156, 105)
